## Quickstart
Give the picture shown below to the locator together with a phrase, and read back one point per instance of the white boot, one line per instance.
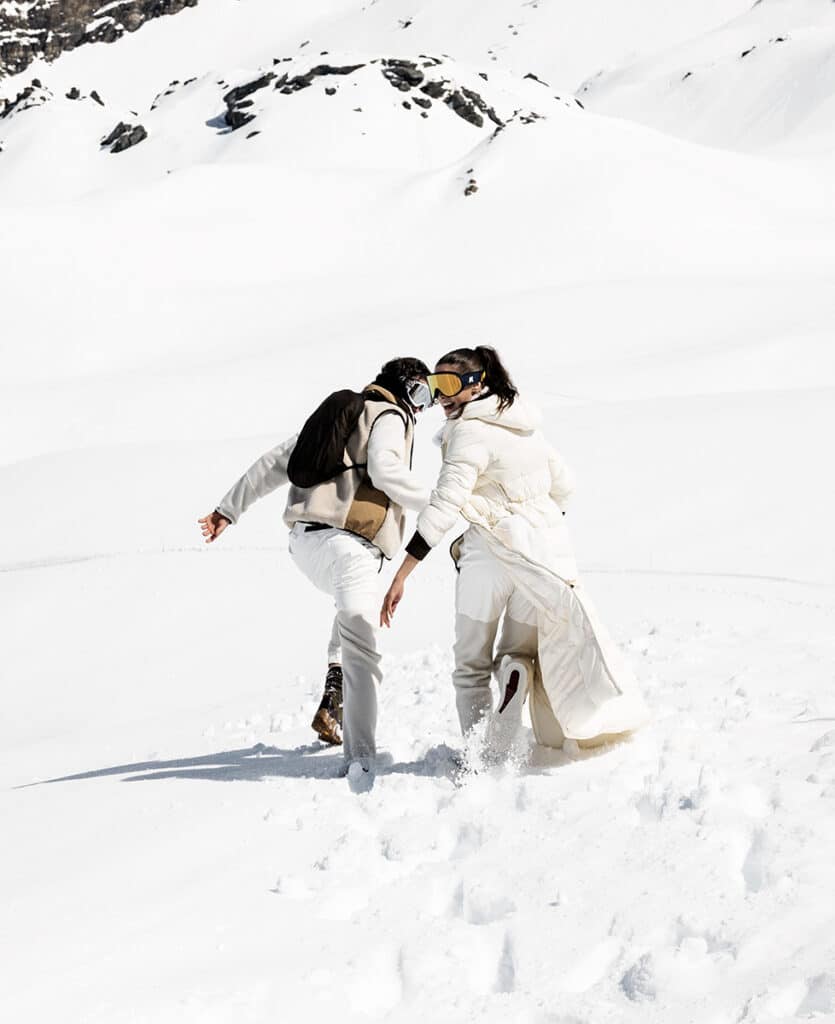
(515, 679)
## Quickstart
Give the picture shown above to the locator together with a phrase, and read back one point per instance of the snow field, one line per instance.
(653, 880)
(669, 306)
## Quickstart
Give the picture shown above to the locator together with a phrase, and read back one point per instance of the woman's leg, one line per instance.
(481, 593)
(518, 636)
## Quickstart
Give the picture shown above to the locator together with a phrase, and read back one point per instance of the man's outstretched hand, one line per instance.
(213, 526)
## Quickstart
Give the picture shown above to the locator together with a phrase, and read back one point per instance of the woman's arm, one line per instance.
(466, 457)
(395, 591)
(562, 479)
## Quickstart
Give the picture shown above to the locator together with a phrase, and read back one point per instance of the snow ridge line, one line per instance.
(57, 562)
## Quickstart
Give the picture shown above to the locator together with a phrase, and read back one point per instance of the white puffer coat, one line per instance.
(503, 477)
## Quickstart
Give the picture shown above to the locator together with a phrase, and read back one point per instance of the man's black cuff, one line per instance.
(417, 547)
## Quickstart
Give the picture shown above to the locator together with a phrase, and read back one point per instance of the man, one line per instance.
(343, 526)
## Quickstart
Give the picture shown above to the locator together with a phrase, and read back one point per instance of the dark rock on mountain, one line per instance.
(32, 29)
(234, 96)
(123, 137)
(236, 101)
(467, 103)
(403, 74)
(463, 108)
(33, 95)
(434, 89)
(288, 85)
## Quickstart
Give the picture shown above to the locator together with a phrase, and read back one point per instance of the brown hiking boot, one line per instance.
(327, 722)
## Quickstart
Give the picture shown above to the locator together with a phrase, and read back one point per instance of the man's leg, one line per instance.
(327, 722)
(347, 568)
(355, 574)
(360, 677)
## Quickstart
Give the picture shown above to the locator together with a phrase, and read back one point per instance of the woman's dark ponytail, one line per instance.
(496, 377)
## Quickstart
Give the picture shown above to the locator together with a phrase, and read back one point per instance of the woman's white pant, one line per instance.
(485, 598)
(348, 568)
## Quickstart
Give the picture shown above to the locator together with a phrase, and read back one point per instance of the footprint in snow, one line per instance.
(470, 840)
(506, 970)
(824, 742)
(479, 905)
(820, 996)
(756, 868)
(638, 982)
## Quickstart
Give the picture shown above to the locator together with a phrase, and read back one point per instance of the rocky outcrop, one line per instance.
(405, 75)
(123, 137)
(33, 95)
(32, 29)
(238, 101)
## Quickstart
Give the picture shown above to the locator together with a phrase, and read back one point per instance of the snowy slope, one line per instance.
(766, 80)
(563, 39)
(170, 311)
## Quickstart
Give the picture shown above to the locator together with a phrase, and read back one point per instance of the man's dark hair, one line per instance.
(396, 373)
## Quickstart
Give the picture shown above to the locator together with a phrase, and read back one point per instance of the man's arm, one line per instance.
(386, 468)
(263, 476)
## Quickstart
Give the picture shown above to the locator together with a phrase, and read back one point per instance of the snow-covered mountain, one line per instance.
(32, 29)
(207, 225)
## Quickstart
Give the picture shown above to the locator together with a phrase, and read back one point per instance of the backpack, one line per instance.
(319, 454)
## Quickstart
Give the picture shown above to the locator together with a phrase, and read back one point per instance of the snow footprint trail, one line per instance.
(682, 875)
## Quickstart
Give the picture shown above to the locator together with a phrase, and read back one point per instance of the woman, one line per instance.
(515, 563)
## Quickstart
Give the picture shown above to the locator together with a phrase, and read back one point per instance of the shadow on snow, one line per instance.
(259, 762)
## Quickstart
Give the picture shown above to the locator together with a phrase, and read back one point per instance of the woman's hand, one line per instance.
(213, 526)
(395, 591)
(392, 600)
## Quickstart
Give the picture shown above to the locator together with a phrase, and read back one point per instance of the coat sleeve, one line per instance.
(386, 466)
(465, 459)
(562, 479)
(263, 476)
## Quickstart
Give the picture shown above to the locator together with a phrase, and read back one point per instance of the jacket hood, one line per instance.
(521, 417)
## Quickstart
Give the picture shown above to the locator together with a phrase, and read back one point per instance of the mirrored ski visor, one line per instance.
(451, 384)
(419, 394)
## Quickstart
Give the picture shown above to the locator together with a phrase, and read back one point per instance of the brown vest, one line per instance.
(350, 501)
